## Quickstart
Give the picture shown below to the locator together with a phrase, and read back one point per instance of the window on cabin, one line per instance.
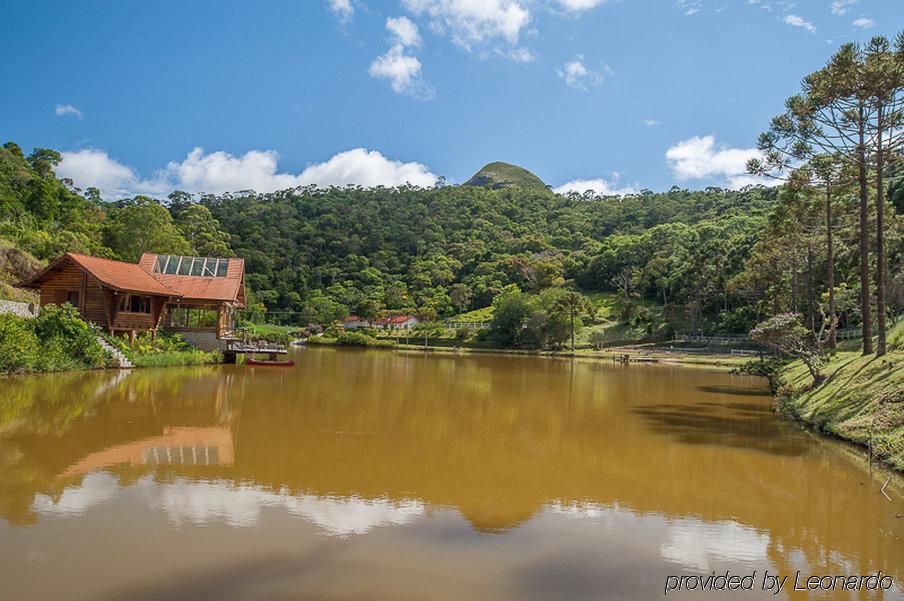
(185, 266)
(72, 298)
(139, 304)
(222, 267)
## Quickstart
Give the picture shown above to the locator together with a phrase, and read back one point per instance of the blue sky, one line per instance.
(215, 96)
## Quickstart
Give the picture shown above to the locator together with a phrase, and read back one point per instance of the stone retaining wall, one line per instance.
(20, 309)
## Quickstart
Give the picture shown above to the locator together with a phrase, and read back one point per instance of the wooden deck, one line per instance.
(251, 348)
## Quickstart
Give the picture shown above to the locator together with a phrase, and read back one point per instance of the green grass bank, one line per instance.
(862, 399)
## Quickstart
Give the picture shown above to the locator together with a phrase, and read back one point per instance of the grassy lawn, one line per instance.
(269, 328)
(862, 400)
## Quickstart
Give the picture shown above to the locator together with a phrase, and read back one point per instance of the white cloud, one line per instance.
(840, 7)
(796, 21)
(366, 168)
(863, 23)
(700, 158)
(581, 77)
(599, 187)
(404, 31)
(650, 122)
(219, 172)
(577, 6)
(403, 71)
(519, 55)
(342, 9)
(690, 7)
(400, 69)
(62, 110)
(94, 168)
(474, 22)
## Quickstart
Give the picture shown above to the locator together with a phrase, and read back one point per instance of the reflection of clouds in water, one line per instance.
(689, 542)
(95, 489)
(202, 502)
(706, 546)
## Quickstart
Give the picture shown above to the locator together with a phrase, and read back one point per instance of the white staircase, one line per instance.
(123, 361)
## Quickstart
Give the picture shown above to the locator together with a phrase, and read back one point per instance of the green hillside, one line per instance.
(504, 175)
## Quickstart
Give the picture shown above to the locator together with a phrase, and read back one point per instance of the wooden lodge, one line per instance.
(181, 293)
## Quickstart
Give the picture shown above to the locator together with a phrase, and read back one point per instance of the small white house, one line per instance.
(353, 322)
(396, 322)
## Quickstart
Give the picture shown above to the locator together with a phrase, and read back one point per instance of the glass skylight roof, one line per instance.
(196, 266)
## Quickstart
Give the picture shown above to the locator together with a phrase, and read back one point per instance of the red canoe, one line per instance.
(263, 363)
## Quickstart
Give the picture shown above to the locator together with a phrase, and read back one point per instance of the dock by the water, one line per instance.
(253, 347)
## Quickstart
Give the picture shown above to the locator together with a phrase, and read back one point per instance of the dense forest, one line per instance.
(726, 259)
(321, 254)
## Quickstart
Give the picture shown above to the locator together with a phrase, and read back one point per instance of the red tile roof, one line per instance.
(113, 274)
(392, 319)
(191, 287)
(130, 277)
(399, 318)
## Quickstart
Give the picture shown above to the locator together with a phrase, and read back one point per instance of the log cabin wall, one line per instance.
(93, 299)
(95, 308)
(55, 291)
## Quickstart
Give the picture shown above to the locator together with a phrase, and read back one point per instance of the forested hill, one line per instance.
(456, 247)
(449, 249)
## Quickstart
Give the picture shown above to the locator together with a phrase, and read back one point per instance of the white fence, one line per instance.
(466, 324)
(718, 337)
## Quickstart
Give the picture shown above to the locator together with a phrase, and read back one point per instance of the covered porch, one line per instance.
(192, 317)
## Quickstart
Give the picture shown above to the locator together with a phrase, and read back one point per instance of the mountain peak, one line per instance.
(504, 175)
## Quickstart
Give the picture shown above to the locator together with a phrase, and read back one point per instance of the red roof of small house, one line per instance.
(113, 274)
(399, 318)
(392, 319)
(228, 288)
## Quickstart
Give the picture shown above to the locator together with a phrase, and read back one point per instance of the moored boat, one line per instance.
(267, 363)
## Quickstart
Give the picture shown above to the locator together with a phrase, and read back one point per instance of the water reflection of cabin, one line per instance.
(186, 294)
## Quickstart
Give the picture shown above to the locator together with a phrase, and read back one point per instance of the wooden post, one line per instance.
(221, 320)
(131, 337)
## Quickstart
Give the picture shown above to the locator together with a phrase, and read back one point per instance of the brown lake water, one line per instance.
(375, 475)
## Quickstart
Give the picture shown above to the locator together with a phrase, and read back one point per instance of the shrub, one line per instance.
(67, 341)
(360, 339)
(167, 349)
(770, 368)
(171, 358)
(277, 337)
(54, 341)
(18, 345)
(786, 334)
